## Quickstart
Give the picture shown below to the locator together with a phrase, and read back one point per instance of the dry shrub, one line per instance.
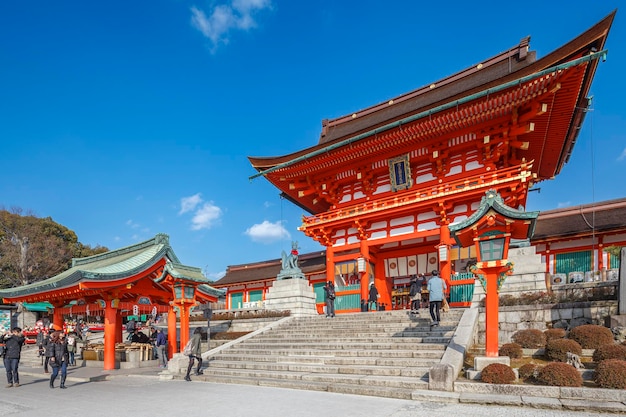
(556, 349)
(497, 373)
(560, 375)
(611, 373)
(554, 334)
(530, 338)
(612, 351)
(528, 371)
(591, 336)
(512, 350)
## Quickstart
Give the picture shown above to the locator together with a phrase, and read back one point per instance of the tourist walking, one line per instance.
(46, 350)
(329, 296)
(13, 343)
(373, 298)
(415, 293)
(59, 358)
(161, 344)
(195, 353)
(71, 348)
(436, 291)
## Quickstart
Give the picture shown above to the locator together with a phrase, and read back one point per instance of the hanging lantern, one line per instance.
(361, 266)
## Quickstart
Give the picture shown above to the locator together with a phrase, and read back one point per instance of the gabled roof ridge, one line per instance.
(158, 239)
(520, 49)
(597, 206)
(269, 262)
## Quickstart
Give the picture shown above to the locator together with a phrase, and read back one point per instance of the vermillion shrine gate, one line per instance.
(143, 278)
(384, 184)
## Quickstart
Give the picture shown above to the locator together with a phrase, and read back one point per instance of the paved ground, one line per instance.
(140, 393)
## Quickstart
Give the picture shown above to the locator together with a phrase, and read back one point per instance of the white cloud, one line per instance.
(267, 232)
(622, 156)
(206, 216)
(189, 203)
(564, 204)
(132, 224)
(236, 15)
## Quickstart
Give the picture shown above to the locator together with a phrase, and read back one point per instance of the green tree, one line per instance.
(33, 248)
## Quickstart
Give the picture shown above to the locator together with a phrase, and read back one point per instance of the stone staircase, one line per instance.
(386, 354)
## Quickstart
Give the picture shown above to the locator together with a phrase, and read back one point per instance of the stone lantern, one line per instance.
(490, 229)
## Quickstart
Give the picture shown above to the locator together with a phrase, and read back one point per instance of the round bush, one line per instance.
(612, 351)
(528, 371)
(560, 375)
(591, 336)
(556, 349)
(512, 350)
(497, 373)
(554, 334)
(611, 373)
(530, 338)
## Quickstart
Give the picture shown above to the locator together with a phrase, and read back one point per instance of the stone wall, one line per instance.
(545, 316)
(529, 274)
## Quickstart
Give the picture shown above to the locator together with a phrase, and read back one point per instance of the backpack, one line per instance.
(414, 289)
(187, 349)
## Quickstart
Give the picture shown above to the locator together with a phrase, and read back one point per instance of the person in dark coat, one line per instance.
(59, 358)
(196, 353)
(46, 350)
(329, 296)
(13, 343)
(415, 292)
(373, 297)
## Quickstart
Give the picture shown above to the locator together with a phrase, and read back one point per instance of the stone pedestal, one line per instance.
(481, 362)
(295, 295)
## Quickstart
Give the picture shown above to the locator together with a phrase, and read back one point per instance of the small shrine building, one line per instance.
(143, 278)
(384, 183)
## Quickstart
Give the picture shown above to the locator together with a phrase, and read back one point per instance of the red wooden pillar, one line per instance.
(492, 326)
(119, 337)
(172, 347)
(110, 324)
(491, 270)
(184, 324)
(330, 264)
(57, 319)
(383, 285)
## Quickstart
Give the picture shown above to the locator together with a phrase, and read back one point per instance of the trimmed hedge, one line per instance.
(611, 373)
(528, 371)
(556, 349)
(560, 375)
(530, 338)
(497, 373)
(612, 351)
(591, 336)
(512, 350)
(554, 334)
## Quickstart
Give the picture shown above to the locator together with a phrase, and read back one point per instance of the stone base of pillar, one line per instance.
(481, 362)
(295, 295)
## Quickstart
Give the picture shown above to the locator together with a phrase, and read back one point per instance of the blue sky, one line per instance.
(123, 119)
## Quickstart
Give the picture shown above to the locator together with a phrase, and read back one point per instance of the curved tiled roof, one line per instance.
(114, 265)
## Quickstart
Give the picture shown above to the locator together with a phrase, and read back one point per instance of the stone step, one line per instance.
(330, 360)
(390, 353)
(361, 389)
(367, 344)
(380, 370)
(368, 380)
